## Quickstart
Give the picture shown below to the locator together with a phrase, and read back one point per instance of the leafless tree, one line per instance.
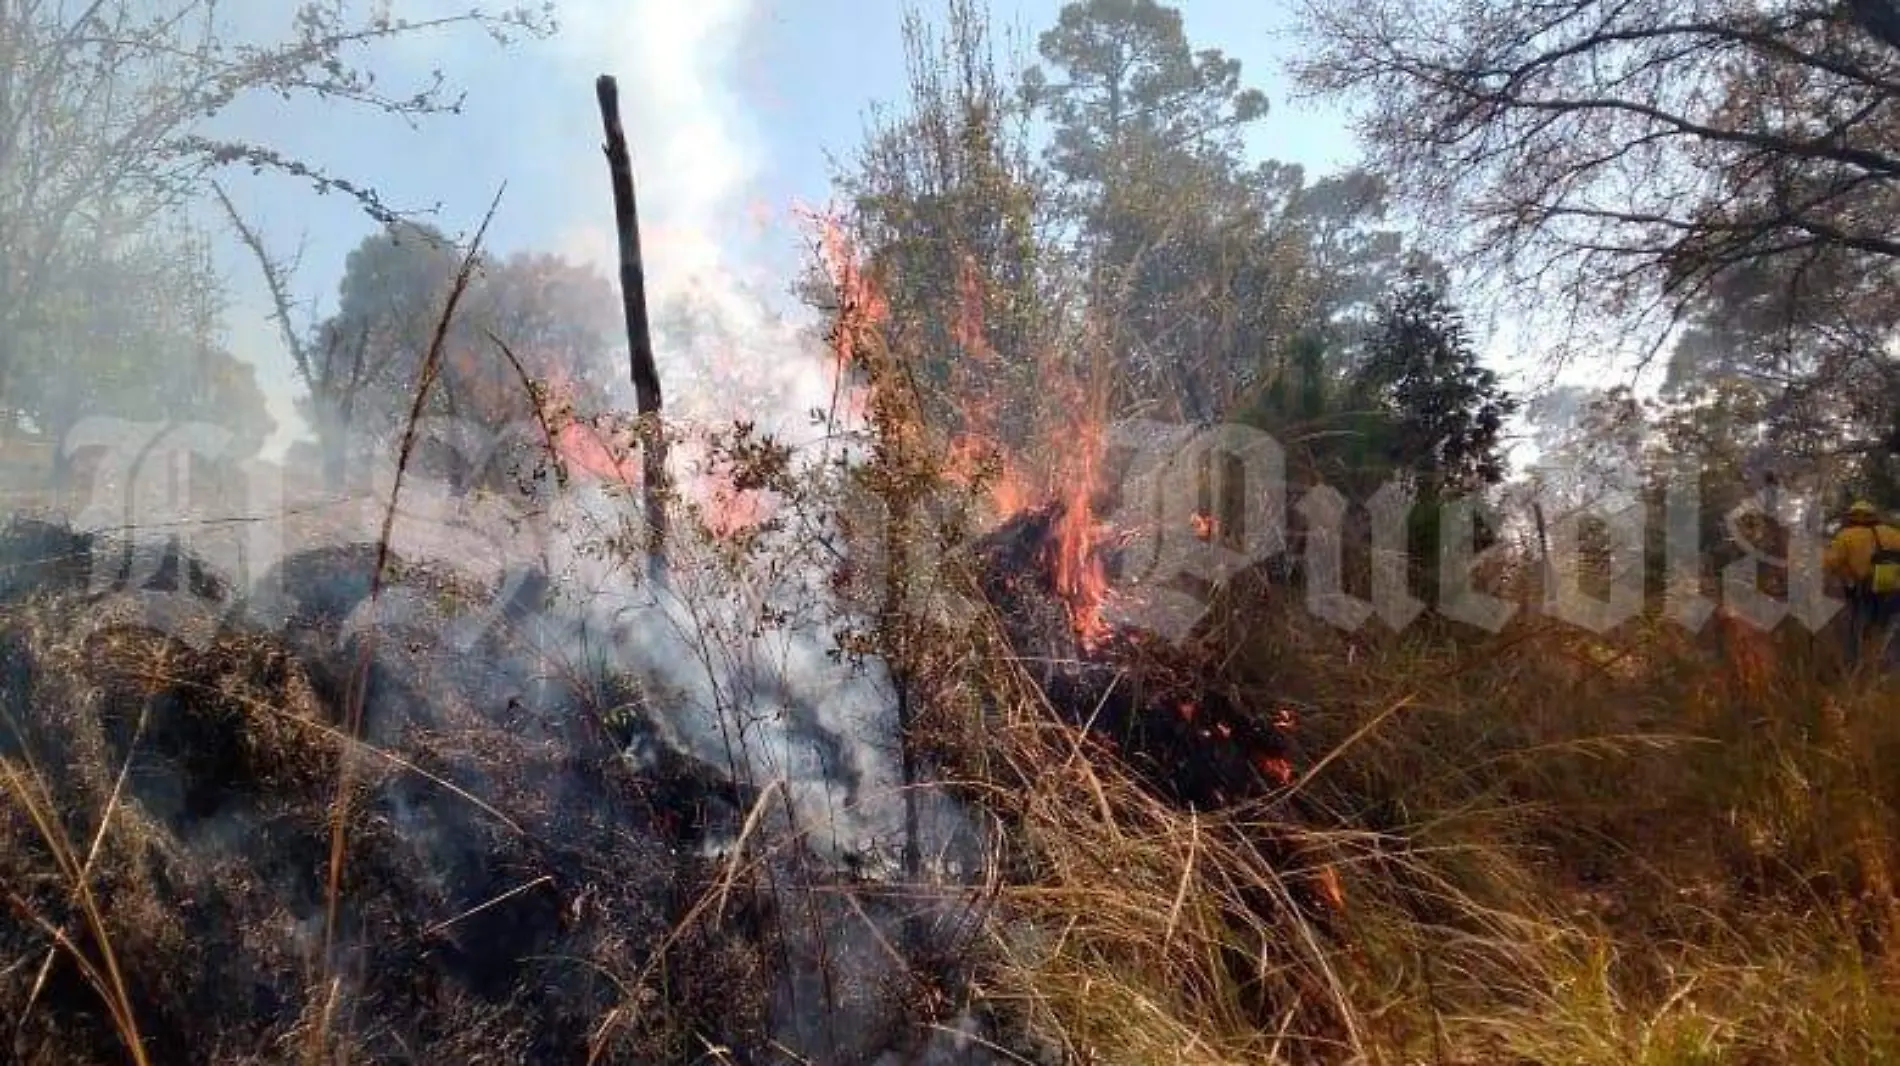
(1625, 154)
(104, 106)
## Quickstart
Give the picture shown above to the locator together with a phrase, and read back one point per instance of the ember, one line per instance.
(1191, 742)
(1206, 526)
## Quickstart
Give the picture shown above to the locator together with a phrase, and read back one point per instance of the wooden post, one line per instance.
(633, 298)
(1543, 552)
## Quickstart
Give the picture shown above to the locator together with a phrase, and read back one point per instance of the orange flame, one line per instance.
(1010, 494)
(727, 509)
(1073, 551)
(1009, 490)
(1072, 555)
(583, 447)
(862, 308)
(610, 454)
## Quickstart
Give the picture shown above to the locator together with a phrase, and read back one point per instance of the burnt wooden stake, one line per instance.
(1543, 549)
(633, 299)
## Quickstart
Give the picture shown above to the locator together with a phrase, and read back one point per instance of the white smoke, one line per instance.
(765, 704)
(770, 703)
(729, 345)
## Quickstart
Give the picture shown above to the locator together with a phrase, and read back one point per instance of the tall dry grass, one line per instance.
(1641, 847)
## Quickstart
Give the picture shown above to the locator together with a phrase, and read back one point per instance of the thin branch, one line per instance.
(274, 282)
(359, 683)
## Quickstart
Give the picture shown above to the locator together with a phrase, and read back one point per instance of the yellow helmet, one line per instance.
(1863, 509)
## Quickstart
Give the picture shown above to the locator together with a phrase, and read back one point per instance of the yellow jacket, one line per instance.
(1851, 555)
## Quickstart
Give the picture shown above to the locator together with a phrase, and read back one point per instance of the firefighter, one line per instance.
(1865, 558)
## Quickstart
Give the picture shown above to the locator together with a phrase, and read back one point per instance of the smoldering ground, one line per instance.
(513, 889)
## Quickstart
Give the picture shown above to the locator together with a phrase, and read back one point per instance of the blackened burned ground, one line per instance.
(1156, 703)
(511, 884)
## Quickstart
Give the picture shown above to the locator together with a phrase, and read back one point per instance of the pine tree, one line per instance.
(1442, 413)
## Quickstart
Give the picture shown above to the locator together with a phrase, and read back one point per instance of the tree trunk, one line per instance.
(644, 370)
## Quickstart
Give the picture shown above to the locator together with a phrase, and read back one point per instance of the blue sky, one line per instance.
(731, 107)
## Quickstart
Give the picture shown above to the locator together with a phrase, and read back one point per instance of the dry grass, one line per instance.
(163, 822)
(1639, 848)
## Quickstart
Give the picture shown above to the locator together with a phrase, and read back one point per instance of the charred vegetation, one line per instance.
(516, 887)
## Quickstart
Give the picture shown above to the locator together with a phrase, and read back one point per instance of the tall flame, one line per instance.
(1072, 554)
(862, 308)
(1073, 551)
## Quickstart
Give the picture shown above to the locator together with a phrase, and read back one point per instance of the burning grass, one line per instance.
(1533, 847)
(1164, 898)
(1683, 860)
(1267, 843)
(1539, 846)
